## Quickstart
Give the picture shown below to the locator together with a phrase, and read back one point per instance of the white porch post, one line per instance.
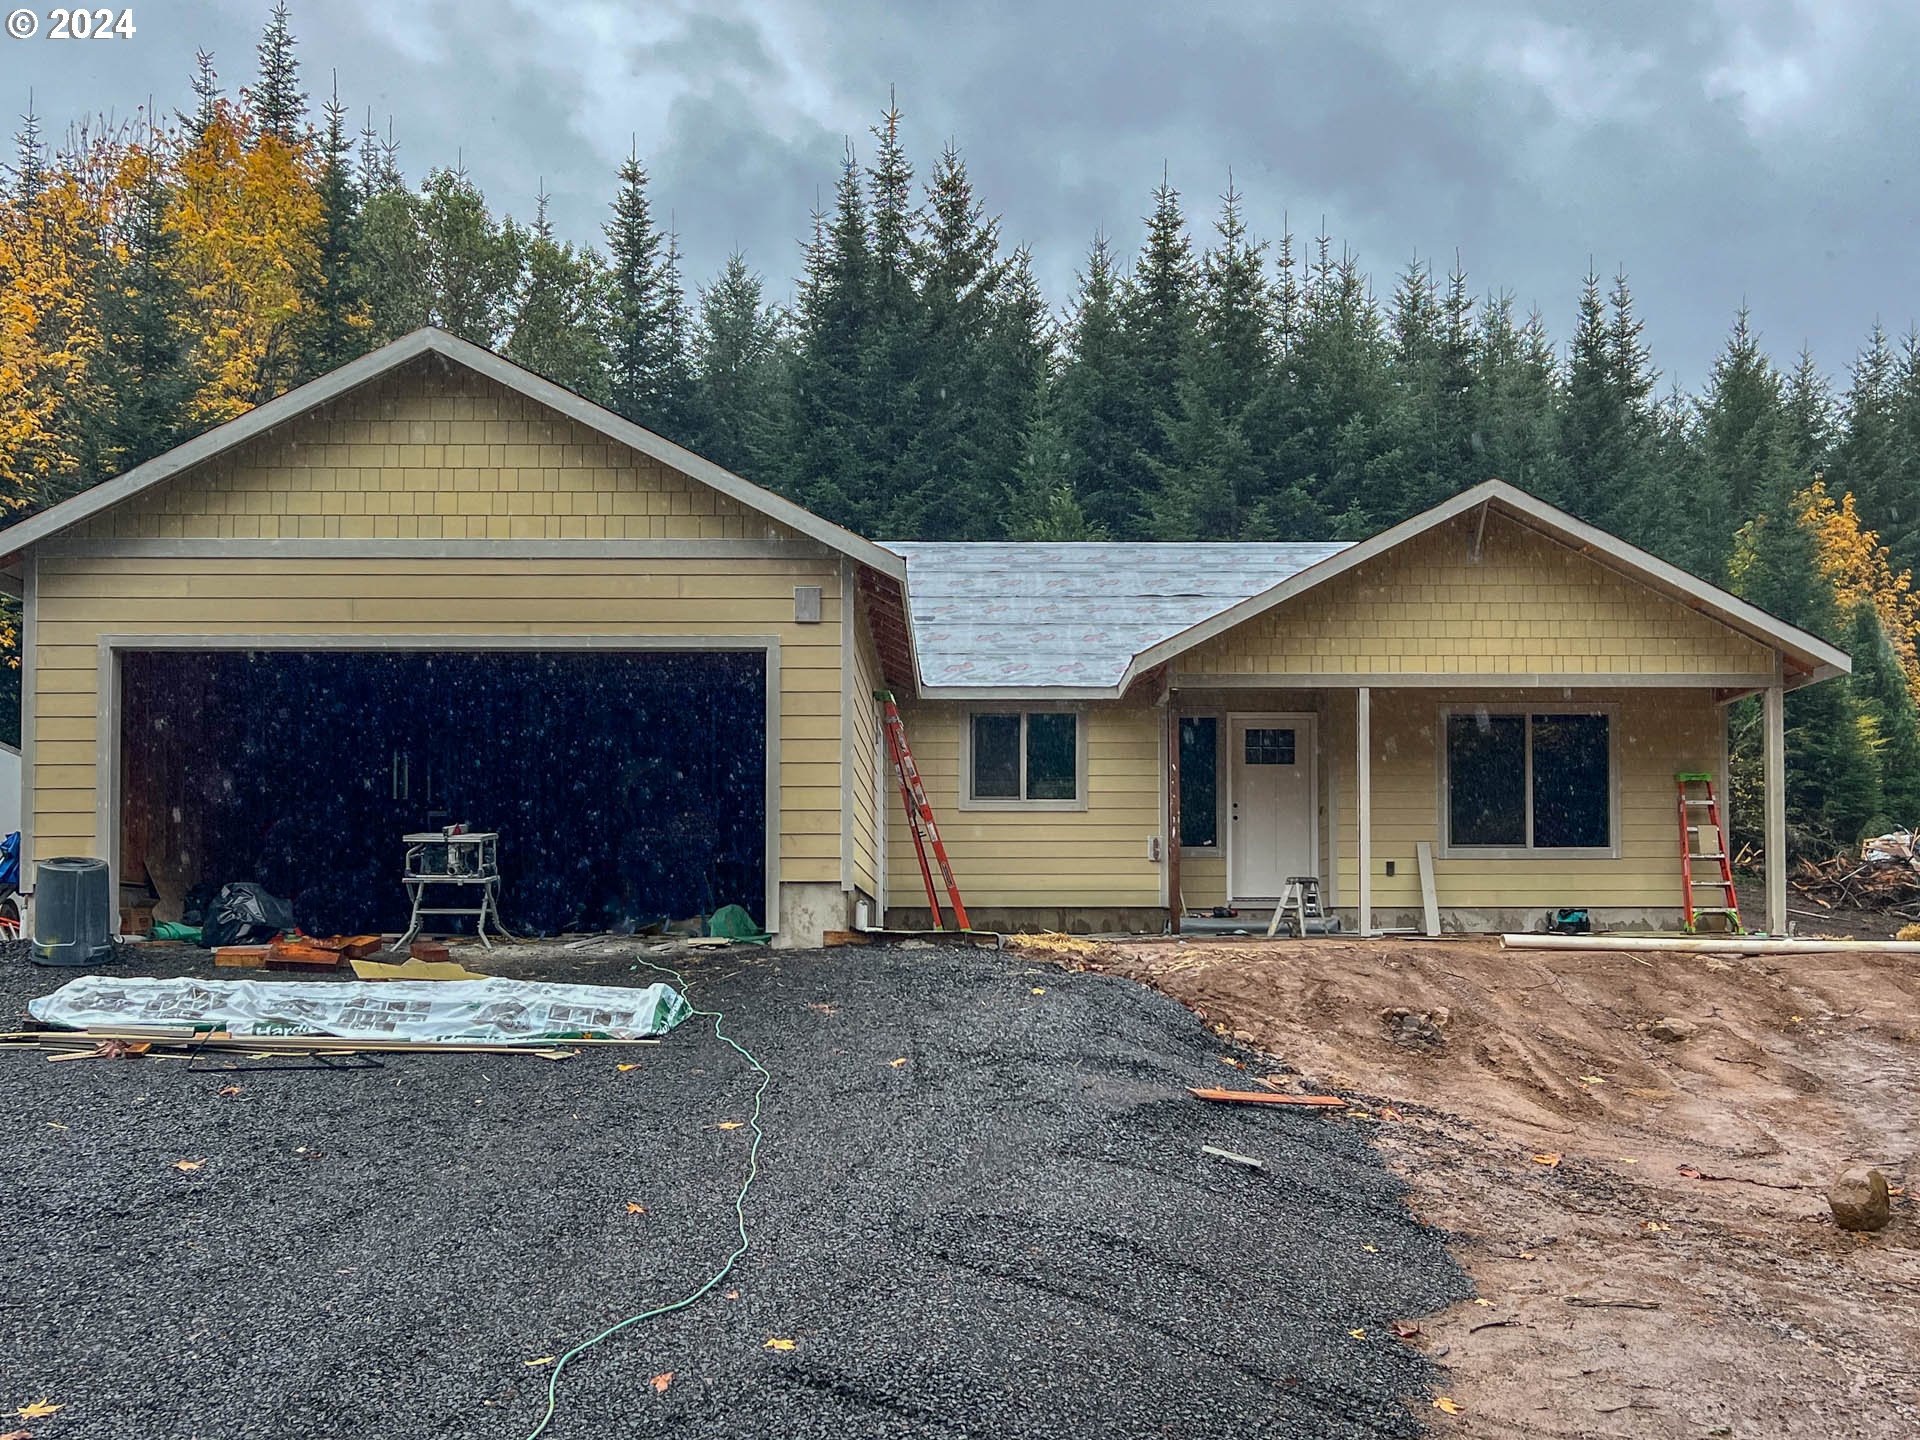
(1363, 805)
(1775, 791)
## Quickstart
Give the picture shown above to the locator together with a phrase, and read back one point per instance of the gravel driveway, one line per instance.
(982, 1211)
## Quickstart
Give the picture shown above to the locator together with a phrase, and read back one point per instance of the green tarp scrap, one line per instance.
(174, 930)
(493, 1011)
(734, 923)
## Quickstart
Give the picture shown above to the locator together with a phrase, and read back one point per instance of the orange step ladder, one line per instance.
(920, 816)
(1699, 815)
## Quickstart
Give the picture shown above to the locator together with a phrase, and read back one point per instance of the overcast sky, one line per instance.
(1720, 150)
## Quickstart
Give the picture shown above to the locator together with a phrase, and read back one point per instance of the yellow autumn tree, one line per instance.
(246, 222)
(49, 249)
(1860, 570)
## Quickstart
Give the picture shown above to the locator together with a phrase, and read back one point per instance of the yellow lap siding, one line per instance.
(1657, 732)
(1008, 858)
(80, 600)
(432, 453)
(1528, 606)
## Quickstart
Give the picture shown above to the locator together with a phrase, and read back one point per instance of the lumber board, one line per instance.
(1261, 1097)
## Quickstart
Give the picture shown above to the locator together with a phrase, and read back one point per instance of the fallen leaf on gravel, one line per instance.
(229, 1089)
(896, 1064)
(38, 1410)
(1405, 1329)
(1591, 1080)
(1371, 1249)
(1358, 1334)
(55, 1125)
(542, 1360)
(629, 1065)
(1628, 1160)
(17, 1435)
(633, 1209)
(1653, 1227)
(661, 1381)
(779, 1345)
(1689, 1172)
(729, 1124)
(1387, 1112)
(1478, 1301)
(188, 1164)
(1039, 989)
(1451, 1406)
(731, 1295)
(1547, 1158)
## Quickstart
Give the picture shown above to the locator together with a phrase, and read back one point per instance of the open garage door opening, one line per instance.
(626, 786)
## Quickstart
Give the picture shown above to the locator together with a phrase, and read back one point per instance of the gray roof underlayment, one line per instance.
(1073, 615)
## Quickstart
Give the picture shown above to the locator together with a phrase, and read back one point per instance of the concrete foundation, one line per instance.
(808, 910)
(1031, 919)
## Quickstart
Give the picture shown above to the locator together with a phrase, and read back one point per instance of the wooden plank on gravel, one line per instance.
(1261, 1097)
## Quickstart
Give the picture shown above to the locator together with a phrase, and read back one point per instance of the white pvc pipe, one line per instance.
(1701, 945)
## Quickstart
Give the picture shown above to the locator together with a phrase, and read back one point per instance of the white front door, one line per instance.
(1272, 807)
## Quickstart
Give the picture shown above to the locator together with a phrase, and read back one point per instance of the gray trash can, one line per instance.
(72, 912)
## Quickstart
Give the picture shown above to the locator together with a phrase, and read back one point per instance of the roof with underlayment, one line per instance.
(994, 615)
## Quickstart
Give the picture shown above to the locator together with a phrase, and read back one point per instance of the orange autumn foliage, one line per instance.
(246, 218)
(1854, 561)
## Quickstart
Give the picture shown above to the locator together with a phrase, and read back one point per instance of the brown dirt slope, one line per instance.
(1621, 1295)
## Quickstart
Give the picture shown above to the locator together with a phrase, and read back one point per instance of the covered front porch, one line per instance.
(1485, 806)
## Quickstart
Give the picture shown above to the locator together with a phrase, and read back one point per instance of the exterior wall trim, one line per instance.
(107, 725)
(848, 640)
(29, 709)
(74, 547)
(1483, 681)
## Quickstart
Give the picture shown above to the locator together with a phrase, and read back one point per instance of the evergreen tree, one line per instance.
(1043, 506)
(1157, 311)
(334, 323)
(674, 416)
(892, 323)
(1866, 459)
(279, 104)
(1807, 419)
(831, 471)
(952, 479)
(30, 160)
(144, 371)
(1213, 470)
(556, 323)
(739, 371)
(1516, 400)
(643, 305)
(1742, 423)
(1833, 775)
(1886, 699)
(1094, 420)
(206, 95)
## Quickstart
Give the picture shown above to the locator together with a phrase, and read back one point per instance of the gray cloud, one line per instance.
(1738, 149)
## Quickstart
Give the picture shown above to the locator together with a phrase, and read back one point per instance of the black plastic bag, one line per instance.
(245, 915)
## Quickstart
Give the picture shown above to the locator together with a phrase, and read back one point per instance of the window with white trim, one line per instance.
(1523, 780)
(1025, 757)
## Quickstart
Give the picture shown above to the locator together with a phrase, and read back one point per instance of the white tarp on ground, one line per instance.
(495, 1011)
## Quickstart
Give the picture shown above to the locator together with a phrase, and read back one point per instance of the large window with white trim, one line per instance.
(1025, 758)
(1517, 781)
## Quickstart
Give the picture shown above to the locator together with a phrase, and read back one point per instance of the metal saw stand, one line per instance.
(469, 861)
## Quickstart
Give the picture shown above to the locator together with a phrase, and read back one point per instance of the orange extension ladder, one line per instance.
(1699, 813)
(920, 816)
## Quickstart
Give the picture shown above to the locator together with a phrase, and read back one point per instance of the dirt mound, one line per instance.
(1633, 1150)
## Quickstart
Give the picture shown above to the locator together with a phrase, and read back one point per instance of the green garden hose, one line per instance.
(739, 1213)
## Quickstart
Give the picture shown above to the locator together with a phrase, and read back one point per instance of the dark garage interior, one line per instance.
(626, 786)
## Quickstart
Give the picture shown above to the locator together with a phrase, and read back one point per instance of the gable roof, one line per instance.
(390, 357)
(1809, 655)
(1066, 620)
